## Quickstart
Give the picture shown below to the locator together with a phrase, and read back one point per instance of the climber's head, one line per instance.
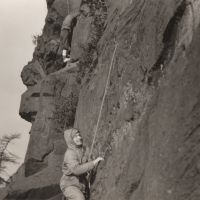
(85, 9)
(73, 138)
(77, 139)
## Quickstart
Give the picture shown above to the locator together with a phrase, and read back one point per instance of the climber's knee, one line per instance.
(73, 193)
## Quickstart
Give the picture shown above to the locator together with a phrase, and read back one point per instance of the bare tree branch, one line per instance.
(5, 155)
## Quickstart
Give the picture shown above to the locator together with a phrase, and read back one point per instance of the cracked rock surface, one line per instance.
(150, 125)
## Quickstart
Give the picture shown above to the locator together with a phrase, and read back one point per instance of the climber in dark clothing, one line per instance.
(67, 30)
(75, 166)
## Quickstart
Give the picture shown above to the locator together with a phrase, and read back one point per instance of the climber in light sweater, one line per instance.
(67, 30)
(75, 166)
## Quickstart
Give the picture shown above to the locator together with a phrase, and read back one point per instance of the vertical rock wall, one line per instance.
(149, 129)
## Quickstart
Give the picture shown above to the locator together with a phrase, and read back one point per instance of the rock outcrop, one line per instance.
(149, 128)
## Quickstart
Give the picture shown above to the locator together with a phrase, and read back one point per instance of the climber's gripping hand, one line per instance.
(98, 160)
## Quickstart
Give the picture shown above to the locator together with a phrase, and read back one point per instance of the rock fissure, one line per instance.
(169, 43)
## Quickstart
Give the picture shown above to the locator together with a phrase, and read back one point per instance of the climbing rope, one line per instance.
(102, 103)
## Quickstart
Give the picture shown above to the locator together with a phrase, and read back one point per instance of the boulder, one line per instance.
(32, 73)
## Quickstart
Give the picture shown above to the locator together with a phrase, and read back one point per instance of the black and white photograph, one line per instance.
(100, 100)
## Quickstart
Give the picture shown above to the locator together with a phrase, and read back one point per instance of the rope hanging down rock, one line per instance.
(103, 100)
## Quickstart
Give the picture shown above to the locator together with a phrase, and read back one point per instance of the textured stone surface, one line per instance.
(32, 73)
(80, 36)
(30, 103)
(149, 129)
(39, 193)
(3, 193)
(62, 7)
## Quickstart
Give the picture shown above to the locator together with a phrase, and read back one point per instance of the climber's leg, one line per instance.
(65, 39)
(73, 193)
(64, 42)
(66, 45)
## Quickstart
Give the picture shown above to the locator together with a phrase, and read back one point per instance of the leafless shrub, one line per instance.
(5, 155)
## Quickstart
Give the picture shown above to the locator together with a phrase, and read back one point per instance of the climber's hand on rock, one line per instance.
(97, 160)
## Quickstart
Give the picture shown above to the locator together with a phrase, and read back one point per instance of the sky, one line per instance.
(19, 21)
